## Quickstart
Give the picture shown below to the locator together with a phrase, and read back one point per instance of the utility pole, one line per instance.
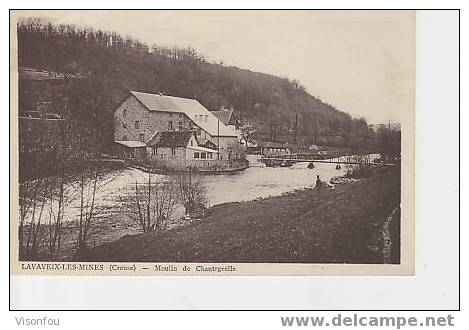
(218, 137)
(296, 128)
(315, 130)
(389, 142)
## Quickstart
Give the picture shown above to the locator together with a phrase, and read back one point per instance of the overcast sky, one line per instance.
(359, 61)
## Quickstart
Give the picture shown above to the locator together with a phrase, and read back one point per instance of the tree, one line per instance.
(247, 132)
(236, 151)
(152, 204)
(87, 187)
(33, 200)
(193, 195)
(389, 142)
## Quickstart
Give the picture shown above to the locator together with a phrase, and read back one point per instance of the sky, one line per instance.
(362, 62)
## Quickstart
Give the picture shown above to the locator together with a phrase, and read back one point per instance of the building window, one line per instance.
(137, 124)
(209, 155)
(192, 143)
(203, 155)
(196, 155)
(199, 131)
(170, 125)
(141, 137)
(173, 151)
(155, 151)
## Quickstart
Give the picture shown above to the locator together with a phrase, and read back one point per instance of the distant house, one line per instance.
(226, 117)
(179, 148)
(142, 115)
(272, 148)
(25, 73)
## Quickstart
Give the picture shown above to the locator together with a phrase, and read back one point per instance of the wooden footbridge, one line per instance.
(290, 159)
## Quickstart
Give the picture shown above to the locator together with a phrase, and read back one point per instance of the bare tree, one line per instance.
(87, 188)
(42, 205)
(153, 204)
(236, 151)
(165, 200)
(193, 195)
(32, 203)
(247, 132)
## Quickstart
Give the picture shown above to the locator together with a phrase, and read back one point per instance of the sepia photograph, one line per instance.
(242, 142)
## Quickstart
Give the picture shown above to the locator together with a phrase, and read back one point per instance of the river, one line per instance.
(255, 182)
(258, 181)
(111, 220)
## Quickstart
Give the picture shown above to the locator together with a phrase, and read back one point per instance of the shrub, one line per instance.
(360, 172)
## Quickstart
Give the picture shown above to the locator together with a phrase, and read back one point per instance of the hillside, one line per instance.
(108, 65)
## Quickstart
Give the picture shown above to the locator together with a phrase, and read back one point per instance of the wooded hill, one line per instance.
(109, 65)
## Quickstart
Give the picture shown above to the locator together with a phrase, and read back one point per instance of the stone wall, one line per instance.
(183, 158)
(149, 122)
(168, 121)
(125, 116)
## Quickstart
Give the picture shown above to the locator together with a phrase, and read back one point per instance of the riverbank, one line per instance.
(344, 225)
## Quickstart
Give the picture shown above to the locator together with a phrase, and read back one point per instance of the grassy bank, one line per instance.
(344, 225)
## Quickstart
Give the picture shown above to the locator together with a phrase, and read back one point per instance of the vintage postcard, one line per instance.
(212, 142)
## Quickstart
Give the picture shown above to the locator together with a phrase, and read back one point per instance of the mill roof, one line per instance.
(190, 107)
(170, 139)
